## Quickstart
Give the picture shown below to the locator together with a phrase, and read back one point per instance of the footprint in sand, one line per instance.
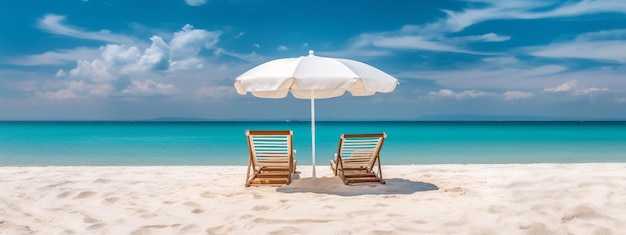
(394, 215)
(197, 211)
(380, 205)
(455, 190)
(84, 195)
(148, 215)
(159, 226)
(208, 195)
(197, 207)
(111, 199)
(496, 209)
(287, 231)
(535, 228)
(285, 221)
(383, 231)
(63, 195)
(261, 208)
(95, 226)
(581, 212)
(190, 229)
(59, 184)
(90, 220)
(146, 229)
(191, 204)
(102, 181)
(362, 212)
(220, 230)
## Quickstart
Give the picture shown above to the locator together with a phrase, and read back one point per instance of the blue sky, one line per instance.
(121, 60)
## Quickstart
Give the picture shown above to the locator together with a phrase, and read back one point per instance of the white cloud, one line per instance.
(251, 57)
(494, 9)
(60, 73)
(606, 45)
(507, 60)
(188, 42)
(120, 58)
(447, 93)
(517, 95)
(489, 37)
(148, 88)
(435, 36)
(95, 70)
(215, 92)
(589, 91)
(59, 95)
(616, 34)
(355, 53)
(182, 52)
(101, 89)
(282, 48)
(589, 7)
(195, 3)
(544, 70)
(493, 76)
(119, 62)
(77, 89)
(58, 57)
(571, 87)
(256, 45)
(407, 42)
(507, 76)
(568, 86)
(425, 42)
(54, 24)
(156, 56)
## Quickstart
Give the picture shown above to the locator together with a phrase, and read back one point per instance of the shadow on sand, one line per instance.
(334, 185)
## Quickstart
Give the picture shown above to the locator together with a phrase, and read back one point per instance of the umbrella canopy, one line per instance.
(313, 77)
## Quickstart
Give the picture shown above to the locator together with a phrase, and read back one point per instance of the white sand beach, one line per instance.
(417, 199)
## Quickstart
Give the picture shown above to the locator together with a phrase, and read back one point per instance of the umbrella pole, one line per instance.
(313, 131)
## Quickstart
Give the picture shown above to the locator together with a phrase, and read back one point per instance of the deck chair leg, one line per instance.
(380, 172)
(248, 175)
(334, 164)
(333, 167)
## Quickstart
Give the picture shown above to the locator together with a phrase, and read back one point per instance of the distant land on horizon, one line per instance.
(468, 118)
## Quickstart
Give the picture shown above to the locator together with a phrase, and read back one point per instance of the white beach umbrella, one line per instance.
(313, 77)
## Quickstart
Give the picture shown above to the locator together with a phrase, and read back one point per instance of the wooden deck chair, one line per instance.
(358, 158)
(271, 159)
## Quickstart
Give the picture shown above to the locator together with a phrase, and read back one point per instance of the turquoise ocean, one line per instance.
(223, 143)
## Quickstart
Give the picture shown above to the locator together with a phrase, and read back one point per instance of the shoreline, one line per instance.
(533, 198)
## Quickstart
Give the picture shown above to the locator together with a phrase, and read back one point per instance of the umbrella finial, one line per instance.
(311, 52)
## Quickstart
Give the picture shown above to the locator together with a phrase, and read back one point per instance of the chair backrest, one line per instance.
(361, 149)
(270, 146)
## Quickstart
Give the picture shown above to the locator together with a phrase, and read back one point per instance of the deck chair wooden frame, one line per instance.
(358, 158)
(271, 160)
